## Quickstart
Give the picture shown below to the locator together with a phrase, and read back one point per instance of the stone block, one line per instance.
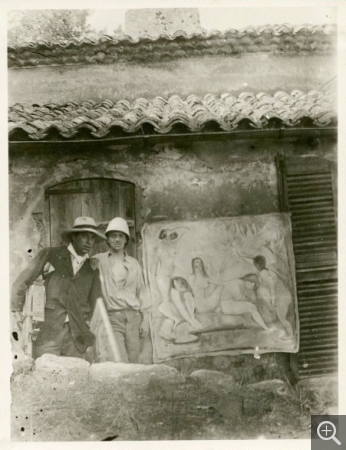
(60, 365)
(324, 388)
(266, 385)
(23, 364)
(318, 383)
(135, 373)
(213, 379)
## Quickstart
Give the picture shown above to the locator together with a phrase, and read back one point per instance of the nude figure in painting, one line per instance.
(206, 290)
(180, 310)
(210, 295)
(272, 289)
(235, 301)
(164, 259)
(271, 286)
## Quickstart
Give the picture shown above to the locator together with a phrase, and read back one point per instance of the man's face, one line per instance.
(116, 240)
(83, 242)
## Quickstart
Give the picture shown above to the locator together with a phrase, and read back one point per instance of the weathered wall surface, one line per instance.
(249, 72)
(155, 22)
(173, 181)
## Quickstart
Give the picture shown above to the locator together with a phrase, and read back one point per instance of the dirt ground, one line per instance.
(75, 407)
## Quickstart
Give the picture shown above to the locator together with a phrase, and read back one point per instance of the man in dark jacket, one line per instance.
(72, 286)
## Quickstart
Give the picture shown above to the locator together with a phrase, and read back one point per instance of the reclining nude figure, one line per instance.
(234, 301)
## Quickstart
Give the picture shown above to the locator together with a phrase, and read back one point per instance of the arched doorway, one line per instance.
(100, 198)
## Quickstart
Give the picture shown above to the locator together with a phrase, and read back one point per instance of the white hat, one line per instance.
(118, 224)
(83, 224)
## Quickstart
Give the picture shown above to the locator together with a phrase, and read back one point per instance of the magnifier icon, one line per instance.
(323, 432)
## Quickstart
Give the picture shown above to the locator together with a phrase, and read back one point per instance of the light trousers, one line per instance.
(125, 325)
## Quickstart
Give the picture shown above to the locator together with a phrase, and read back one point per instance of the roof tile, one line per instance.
(106, 50)
(163, 114)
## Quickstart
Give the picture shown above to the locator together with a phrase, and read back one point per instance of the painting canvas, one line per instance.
(223, 286)
(105, 348)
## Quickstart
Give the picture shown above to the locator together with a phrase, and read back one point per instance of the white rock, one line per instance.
(213, 378)
(60, 364)
(318, 383)
(134, 373)
(271, 385)
(22, 364)
(325, 387)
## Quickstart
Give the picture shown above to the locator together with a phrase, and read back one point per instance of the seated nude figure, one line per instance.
(179, 311)
(206, 290)
(228, 297)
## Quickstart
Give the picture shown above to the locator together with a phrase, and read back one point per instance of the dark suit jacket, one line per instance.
(66, 293)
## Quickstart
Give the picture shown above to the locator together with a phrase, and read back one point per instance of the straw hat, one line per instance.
(86, 224)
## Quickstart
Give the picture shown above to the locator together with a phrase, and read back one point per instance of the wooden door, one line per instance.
(306, 191)
(99, 198)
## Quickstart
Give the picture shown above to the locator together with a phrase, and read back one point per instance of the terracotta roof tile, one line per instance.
(162, 115)
(278, 39)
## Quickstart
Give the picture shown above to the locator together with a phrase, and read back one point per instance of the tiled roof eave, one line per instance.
(160, 116)
(275, 39)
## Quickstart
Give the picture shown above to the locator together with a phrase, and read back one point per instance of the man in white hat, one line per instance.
(72, 287)
(123, 291)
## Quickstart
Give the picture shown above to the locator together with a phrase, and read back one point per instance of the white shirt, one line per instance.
(77, 262)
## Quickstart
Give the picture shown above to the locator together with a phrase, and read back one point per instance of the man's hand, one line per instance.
(89, 354)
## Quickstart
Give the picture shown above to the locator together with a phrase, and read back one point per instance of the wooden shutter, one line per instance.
(102, 199)
(306, 191)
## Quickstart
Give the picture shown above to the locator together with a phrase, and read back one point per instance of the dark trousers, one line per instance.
(61, 345)
(125, 325)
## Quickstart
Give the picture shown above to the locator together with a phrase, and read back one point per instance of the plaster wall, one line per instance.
(187, 181)
(193, 180)
(200, 75)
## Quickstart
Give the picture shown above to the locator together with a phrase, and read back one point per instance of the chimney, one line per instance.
(155, 22)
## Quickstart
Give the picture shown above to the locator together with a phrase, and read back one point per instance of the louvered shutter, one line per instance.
(306, 190)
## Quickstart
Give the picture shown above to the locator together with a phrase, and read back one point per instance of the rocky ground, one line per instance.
(67, 399)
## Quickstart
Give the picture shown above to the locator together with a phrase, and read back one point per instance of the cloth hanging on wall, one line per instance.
(223, 286)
